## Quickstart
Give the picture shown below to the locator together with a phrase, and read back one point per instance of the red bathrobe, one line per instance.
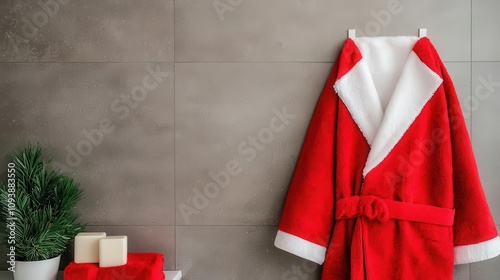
(386, 185)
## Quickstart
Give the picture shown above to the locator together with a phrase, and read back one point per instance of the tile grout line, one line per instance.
(470, 71)
(211, 225)
(190, 225)
(210, 62)
(470, 91)
(175, 185)
(299, 62)
(276, 225)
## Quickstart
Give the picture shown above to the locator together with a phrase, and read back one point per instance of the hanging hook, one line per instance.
(422, 32)
(351, 33)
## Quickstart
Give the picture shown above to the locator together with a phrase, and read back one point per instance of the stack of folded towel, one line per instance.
(140, 266)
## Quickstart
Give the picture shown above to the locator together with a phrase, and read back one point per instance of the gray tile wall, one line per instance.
(150, 149)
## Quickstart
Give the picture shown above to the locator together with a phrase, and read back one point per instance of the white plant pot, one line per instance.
(39, 270)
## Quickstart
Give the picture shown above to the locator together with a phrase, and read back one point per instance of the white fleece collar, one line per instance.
(391, 76)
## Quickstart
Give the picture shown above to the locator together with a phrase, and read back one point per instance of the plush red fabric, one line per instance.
(432, 165)
(85, 271)
(140, 266)
(375, 208)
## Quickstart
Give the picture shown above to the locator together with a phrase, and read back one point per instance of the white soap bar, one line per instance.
(87, 247)
(113, 251)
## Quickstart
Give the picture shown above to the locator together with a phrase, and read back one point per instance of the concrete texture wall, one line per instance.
(150, 103)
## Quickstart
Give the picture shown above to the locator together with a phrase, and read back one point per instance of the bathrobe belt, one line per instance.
(376, 208)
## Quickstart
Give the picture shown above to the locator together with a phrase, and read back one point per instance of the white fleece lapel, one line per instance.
(383, 131)
(358, 93)
(415, 87)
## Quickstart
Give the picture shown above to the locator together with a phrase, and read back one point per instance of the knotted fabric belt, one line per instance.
(376, 208)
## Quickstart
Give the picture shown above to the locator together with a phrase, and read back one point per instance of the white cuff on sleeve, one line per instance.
(477, 252)
(300, 247)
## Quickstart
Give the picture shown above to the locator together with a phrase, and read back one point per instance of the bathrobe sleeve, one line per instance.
(307, 218)
(475, 234)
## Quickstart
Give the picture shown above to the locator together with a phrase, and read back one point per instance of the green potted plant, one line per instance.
(37, 216)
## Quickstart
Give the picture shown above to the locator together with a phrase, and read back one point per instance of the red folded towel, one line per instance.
(140, 266)
(83, 271)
